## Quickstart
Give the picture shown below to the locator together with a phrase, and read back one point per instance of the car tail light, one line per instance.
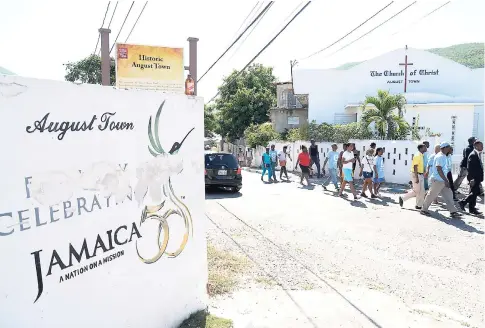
(238, 171)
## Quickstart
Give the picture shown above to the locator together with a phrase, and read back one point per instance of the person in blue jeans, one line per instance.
(332, 160)
(266, 163)
(379, 176)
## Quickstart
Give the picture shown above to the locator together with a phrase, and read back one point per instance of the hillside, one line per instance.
(468, 54)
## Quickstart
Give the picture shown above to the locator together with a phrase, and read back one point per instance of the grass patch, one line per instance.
(224, 270)
(203, 319)
(266, 281)
(308, 286)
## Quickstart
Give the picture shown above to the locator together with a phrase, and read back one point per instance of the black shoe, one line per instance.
(373, 196)
(401, 201)
(417, 207)
(325, 188)
(462, 205)
(476, 212)
(363, 195)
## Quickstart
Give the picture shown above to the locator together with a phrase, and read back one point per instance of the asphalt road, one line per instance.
(324, 261)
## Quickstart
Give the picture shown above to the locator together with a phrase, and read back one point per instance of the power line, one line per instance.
(251, 31)
(237, 39)
(415, 22)
(102, 24)
(384, 22)
(248, 35)
(121, 28)
(141, 12)
(264, 48)
(346, 35)
(258, 4)
(109, 25)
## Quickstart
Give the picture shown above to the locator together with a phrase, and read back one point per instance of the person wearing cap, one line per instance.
(417, 177)
(429, 167)
(440, 183)
(475, 178)
(464, 162)
(315, 156)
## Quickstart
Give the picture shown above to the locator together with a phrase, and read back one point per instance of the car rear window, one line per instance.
(221, 159)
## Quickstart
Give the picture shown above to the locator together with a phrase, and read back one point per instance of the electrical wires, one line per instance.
(346, 35)
(102, 24)
(409, 25)
(237, 39)
(141, 12)
(121, 28)
(375, 28)
(264, 48)
(109, 25)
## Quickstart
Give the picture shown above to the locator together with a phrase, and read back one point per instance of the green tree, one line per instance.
(245, 100)
(88, 70)
(387, 123)
(210, 121)
(260, 134)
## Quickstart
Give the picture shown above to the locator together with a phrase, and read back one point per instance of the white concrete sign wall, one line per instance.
(101, 206)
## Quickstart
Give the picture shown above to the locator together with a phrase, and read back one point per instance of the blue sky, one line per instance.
(37, 37)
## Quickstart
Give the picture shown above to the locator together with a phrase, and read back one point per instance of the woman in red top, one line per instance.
(304, 161)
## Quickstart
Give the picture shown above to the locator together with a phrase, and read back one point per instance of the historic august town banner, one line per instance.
(150, 68)
(101, 206)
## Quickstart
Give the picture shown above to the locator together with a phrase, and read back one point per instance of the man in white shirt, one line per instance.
(348, 159)
(332, 159)
(282, 159)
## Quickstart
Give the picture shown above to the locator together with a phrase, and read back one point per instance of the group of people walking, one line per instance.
(430, 174)
(341, 165)
(437, 170)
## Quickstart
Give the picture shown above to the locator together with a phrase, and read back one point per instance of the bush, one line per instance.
(260, 135)
(326, 132)
(345, 132)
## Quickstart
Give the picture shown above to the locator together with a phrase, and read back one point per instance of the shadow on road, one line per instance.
(219, 193)
(457, 223)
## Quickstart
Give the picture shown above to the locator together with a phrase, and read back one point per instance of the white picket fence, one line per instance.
(397, 157)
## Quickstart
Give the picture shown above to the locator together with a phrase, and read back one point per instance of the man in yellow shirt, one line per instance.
(417, 177)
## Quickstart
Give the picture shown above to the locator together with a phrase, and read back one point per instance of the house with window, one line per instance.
(291, 110)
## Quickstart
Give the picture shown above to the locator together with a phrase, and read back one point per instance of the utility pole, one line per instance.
(293, 63)
(105, 59)
(193, 61)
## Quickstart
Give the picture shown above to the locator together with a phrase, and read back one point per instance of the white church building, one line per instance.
(447, 96)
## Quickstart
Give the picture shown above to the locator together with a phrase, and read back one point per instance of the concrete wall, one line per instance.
(279, 118)
(478, 122)
(397, 163)
(104, 193)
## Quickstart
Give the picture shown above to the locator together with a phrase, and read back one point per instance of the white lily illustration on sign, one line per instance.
(154, 178)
